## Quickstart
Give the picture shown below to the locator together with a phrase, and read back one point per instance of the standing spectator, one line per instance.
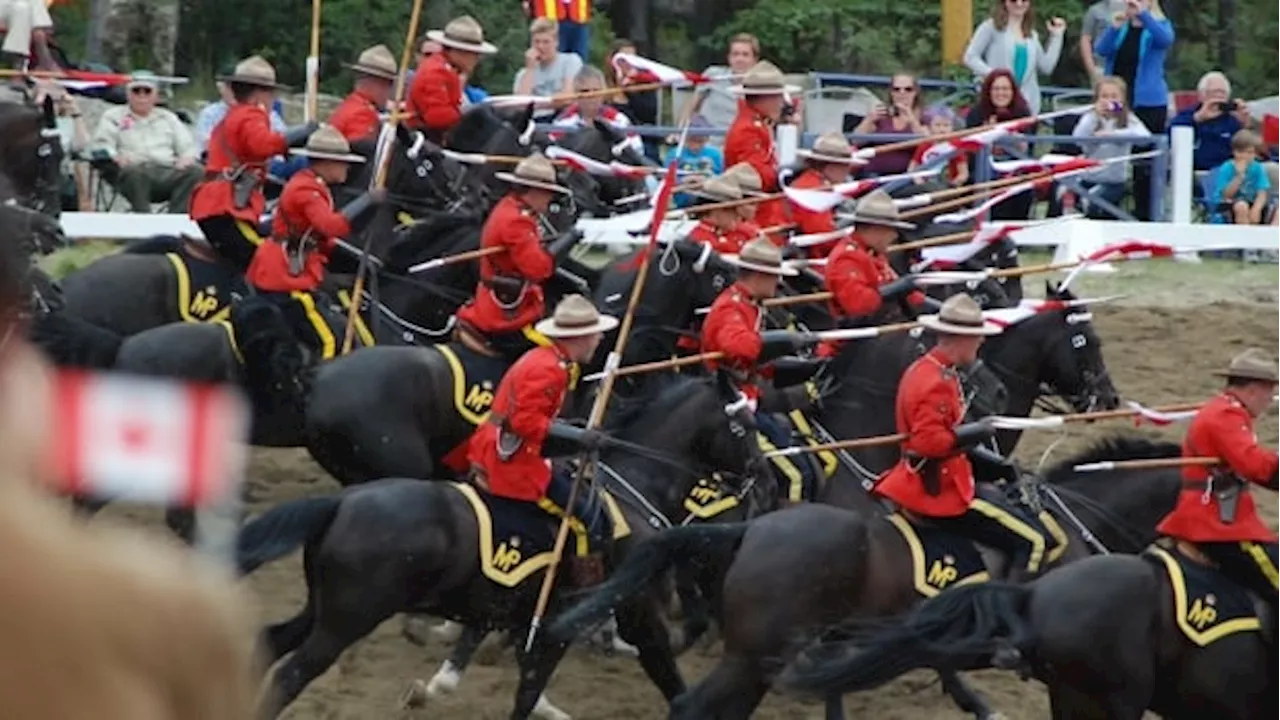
(1008, 40)
(1096, 21)
(640, 106)
(1000, 101)
(1240, 185)
(1135, 46)
(359, 115)
(586, 110)
(154, 153)
(1215, 119)
(27, 26)
(698, 160)
(574, 19)
(939, 120)
(718, 104)
(1112, 119)
(900, 117)
(547, 72)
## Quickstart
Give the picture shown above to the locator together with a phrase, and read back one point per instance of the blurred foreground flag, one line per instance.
(147, 440)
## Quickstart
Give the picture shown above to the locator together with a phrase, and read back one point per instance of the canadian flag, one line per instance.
(147, 440)
(647, 71)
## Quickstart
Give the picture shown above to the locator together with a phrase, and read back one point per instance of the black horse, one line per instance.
(802, 569)
(397, 545)
(31, 155)
(604, 143)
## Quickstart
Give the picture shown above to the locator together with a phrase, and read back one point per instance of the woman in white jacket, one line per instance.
(1008, 39)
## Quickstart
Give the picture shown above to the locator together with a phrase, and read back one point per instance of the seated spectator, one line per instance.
(1111, 118)
(697, 161)
(547, 72)
(718, 104)
(999, 101)
(27, 26)
(1215, 119)
(586, 110)
(940, 120)
(900, 117)
(154, 153)
(1240, 185)
(640, 106)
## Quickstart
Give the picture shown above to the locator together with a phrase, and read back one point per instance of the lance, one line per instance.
(454, 259)
(1148, 464)
(313, 66)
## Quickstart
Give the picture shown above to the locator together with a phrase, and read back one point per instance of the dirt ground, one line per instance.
(1155, 356)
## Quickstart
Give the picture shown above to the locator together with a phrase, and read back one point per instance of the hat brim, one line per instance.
(484, 48)
(321, 155)
(937, 324)
(548, 327)
(820, 157)
(703, 195)
(776, 90)
(1248, 375)
(256, 82)
(371, 71)
(783, 270)
(881, 221)
(517, 180)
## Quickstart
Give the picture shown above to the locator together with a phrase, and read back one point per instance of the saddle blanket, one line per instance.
(516, 538)
(709, 498)
(939, 559)
(205, 288)
(475, 379)
(1207, 605)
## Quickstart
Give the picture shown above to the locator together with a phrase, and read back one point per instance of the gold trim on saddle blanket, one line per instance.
(919, 579)
(201, 308)
(362, 330)
(472, 404)
(707, 499)
(1197, 620)
(514, 569)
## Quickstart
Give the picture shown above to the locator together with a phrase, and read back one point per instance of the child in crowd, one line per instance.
(939, 119)
(1240, 185)
(1112, 119)
(698, 160)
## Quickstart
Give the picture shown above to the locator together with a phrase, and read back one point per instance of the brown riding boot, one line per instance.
(588, 570)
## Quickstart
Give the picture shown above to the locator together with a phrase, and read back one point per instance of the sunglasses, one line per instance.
(140, 90)
(1017, 2)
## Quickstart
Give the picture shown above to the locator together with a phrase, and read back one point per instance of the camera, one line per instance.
(1230, 105)
(788, 110)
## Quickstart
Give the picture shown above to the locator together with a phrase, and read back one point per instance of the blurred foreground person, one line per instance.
(98, 621)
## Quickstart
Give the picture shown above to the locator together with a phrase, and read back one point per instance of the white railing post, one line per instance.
(1181, 152)
(787, 137)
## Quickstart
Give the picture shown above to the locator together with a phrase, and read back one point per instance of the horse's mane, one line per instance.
(657, 396)
(1120, 447)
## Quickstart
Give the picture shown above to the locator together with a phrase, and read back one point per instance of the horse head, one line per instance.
(32, 154)
(1057, 350)
(489, 130)
(420, 178)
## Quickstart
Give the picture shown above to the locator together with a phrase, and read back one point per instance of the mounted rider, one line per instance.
(748, 181)
(288, 269)
(359, 115)
(229, 203)
(934, 477)
(1216, 513)
(858, 273)
(509, 298)
(827, 163)
(435, 97)
(734, 327)
(716, 226)
(764, 94)
(506, 451)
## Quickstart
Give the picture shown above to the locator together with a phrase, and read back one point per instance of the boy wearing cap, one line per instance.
(435, 97)
(154, 152)
(359, 115)
(697, 159)
(506, 451)
(1216, 513)
(228, 204)
(288, 268)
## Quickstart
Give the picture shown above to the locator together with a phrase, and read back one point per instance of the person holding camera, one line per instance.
(1215, 120)
(1111, 119)
(901, 116)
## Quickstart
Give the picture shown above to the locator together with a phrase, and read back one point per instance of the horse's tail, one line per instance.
(72, 342)
(957, 629)
(645, 560)
(280, 530)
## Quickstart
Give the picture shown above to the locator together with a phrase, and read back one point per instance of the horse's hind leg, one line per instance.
(283, 638)
(965, 697)
(536, 667)
(449, 675)
(834, 707)
(732, 691)
(696, 619)
(640, 625)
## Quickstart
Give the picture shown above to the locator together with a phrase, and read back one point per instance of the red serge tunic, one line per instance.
(435, 97)
(733, 328)
(305, 205)
(243, 139)
(528, 400)
(1222, 429)
(928, 408)
(512, 226)
(750, 140)
(356, 118)
(809, 222)
(854, 274)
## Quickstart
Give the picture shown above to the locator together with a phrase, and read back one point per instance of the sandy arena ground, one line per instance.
(1156, 355)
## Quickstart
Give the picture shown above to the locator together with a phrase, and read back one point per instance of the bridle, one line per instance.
(1093, 383)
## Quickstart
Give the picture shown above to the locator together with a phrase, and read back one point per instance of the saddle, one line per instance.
(1207, 605)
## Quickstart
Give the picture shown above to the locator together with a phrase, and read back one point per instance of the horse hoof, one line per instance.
(545, 710)
(448, 631)
(445, 681)
(489, 652)
(415, 696)
(994, 716)
(414, 629)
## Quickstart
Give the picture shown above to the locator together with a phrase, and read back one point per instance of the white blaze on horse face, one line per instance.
(701, 263)
(526, 137)
(418, 141)
(1078, 318)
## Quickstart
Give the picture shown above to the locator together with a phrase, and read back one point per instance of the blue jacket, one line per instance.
(1149, 86)
(1213, 138)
